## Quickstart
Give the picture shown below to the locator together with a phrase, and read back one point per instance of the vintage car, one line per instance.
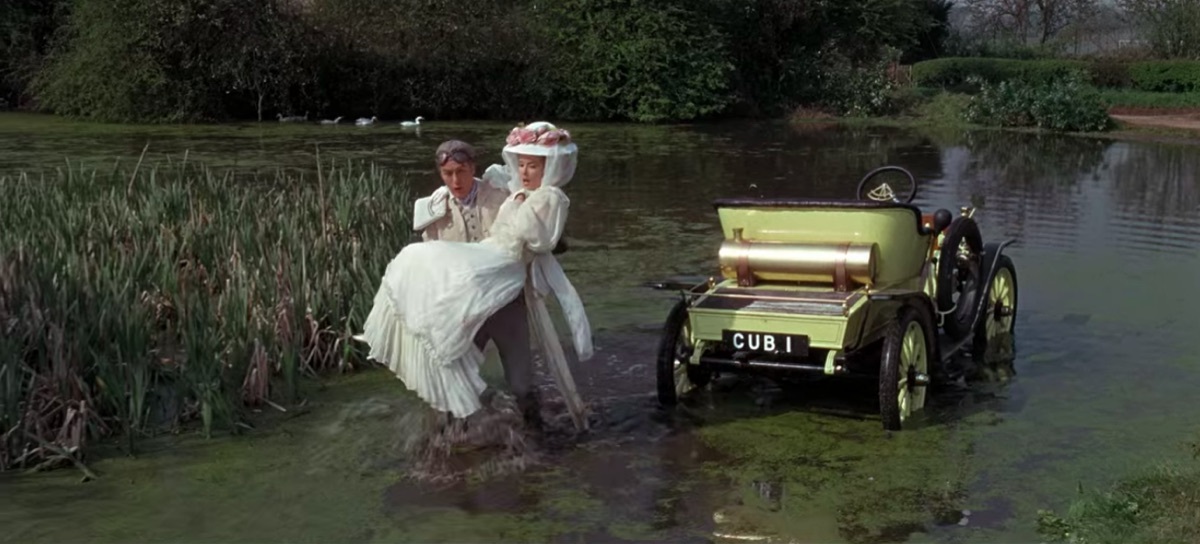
(865, 287)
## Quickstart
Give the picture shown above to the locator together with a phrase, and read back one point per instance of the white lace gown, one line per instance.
(435, 296)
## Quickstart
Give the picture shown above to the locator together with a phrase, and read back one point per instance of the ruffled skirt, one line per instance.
(432, 301)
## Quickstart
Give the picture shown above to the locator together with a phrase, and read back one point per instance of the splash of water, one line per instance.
(491, 442)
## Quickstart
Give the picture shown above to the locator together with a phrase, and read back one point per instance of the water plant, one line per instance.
(133, 302)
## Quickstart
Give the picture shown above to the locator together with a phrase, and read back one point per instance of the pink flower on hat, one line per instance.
(543, 135)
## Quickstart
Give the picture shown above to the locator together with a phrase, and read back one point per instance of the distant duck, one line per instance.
(414, 123)
(363, 121)
(331, 121)
(292, 119)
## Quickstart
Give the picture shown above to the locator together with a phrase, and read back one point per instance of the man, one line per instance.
(463, 211)
(465, 207)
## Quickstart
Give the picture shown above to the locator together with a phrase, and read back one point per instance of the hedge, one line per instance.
(1171, 76)
(953, 72)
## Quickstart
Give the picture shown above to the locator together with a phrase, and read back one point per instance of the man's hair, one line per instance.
(457, 150)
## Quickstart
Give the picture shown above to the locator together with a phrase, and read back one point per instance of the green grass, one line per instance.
(923, 107)
(137, 301)
(1161, 506)
(941, 114)
(944, 108)
(1142, 99)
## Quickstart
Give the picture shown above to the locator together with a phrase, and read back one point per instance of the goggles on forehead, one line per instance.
(458, 155)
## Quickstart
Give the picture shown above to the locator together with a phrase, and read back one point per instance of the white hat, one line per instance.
(542, 139)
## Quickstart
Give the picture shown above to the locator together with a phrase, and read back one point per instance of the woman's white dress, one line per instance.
(435, 296)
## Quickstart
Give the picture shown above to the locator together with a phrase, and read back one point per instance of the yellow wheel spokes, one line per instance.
(1000, 304)
(913, 359)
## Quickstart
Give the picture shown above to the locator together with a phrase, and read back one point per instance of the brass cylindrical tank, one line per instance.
(838, 264)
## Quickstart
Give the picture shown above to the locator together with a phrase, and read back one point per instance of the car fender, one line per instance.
(913, 298)
(991, 258)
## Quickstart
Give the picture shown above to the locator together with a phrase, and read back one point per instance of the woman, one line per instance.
(435, 295)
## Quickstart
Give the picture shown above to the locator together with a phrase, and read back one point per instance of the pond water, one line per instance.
(1108, 262)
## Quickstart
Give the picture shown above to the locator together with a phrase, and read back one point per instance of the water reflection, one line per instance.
(1076, 194)
(1107, 258)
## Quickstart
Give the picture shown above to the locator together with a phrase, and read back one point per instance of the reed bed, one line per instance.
(133, 302)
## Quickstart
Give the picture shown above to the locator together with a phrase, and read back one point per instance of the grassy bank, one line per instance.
(1122, 99)
(1159, 505)
(137, 299)
(1173, 117)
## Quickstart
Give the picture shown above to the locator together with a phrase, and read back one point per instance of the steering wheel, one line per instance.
(883, 192)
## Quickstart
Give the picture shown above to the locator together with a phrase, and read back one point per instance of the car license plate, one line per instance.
(792, 344)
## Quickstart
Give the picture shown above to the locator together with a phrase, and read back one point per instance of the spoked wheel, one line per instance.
(994, 333)
(904, 370)
(959, 276)
(675, 376)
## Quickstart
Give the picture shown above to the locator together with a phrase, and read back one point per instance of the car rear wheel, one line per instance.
(993, 333)
(675, 376)
(904, 368)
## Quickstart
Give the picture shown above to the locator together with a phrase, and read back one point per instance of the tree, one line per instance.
(931, 39)
(1055, 15)
(426, 57)
(1022, 19)
(1172, 26)
(1001, 18)
(264, 55)
(26, 31)
(645, 60)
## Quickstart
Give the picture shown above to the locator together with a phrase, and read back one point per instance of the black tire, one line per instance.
(890, 376)
(992, 311)
(957, 277)
(669, 351)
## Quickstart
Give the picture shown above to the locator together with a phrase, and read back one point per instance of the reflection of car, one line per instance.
(841, 287)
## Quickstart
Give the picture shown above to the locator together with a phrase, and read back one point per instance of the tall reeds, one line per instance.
(133, 302)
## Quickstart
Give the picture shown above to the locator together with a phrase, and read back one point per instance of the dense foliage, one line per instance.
(185, 60)
(1065, 103)
(1145, 75)
(135, 302)
(647, 60)
(1172, 26)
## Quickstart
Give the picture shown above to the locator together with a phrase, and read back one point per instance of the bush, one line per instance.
(1064, 104)
(193, 60)
(643, 60)
(1111, 74)
(1166, 76)
(954, 73)
(862, 90)
(1177, 76)
(944, 108)
(171, 60)
(1127, 99)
